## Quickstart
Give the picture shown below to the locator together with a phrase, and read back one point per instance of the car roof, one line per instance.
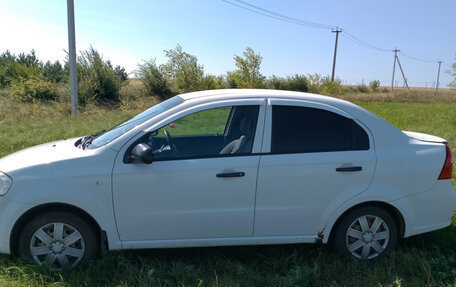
(235, 93)
(228, 94)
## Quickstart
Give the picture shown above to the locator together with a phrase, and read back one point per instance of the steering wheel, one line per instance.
(169, 141)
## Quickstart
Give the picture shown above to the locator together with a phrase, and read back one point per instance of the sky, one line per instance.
(130, 32)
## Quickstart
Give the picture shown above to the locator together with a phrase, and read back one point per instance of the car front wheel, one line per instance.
(365, 233)
(58, 241)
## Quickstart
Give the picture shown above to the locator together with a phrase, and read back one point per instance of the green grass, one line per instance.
(425, 260)
(197, 123)
(23, 125)
(433, 118)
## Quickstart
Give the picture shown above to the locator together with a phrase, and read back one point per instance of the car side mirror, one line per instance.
(143, 153)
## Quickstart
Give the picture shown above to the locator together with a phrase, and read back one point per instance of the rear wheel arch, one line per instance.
(393, 211)
(62, 207)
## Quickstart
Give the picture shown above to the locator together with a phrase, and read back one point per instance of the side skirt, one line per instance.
(232, 241)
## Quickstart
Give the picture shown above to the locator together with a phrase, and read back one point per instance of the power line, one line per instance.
(268, 13)
(418, 59)
(356, 40)
(281, 17)
(277, 16)
(285, 18)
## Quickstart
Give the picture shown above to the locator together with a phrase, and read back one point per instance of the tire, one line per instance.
(365, 233)
(58, 240)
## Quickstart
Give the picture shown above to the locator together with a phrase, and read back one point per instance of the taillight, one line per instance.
(447, 170)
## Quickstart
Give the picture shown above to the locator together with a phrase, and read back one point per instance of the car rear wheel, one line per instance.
(365, 233)
(58, 241)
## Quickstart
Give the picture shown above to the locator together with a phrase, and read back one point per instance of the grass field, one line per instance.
(425, 260)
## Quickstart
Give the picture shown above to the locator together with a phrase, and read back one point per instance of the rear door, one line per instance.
(314, 158)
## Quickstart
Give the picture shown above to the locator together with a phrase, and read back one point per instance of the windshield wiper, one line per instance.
(86, 141)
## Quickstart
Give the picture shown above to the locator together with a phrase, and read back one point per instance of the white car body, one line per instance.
(283, 198)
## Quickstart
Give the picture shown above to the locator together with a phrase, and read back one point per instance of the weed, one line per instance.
(374, 85)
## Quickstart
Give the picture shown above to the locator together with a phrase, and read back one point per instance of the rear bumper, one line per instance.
(429, 210)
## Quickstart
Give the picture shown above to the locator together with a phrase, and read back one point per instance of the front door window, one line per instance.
(209, 133)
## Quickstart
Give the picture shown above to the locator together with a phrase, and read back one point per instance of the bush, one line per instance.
(329, 87)
(277, 83)
(375, 84)
(87, 87)
(314, 83)
(210, 82)
(97, 79)
(297, 83)
(291, 83)
(153, 80)
(362, 88)
(34, 88)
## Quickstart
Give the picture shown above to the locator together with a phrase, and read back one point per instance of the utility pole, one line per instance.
(394, 68)
(403, 75)
(72, 58)
(337, 31)
(438, 76)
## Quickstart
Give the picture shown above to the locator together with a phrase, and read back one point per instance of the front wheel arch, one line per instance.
(43, 208)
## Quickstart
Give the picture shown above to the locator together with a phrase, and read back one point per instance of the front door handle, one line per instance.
(231, 174)
(349, 168)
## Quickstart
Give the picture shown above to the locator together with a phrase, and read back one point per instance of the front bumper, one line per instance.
(10, 212)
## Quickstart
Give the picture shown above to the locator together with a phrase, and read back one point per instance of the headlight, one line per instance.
(5, 183)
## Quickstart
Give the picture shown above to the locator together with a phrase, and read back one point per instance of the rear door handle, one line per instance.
(349, 168)
(231, 174)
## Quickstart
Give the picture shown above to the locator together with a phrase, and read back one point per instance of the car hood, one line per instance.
(44, 154)
(424, 137)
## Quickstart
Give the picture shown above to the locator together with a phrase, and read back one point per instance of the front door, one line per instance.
(202, 181)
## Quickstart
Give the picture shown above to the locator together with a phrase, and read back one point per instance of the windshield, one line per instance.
(124, 127)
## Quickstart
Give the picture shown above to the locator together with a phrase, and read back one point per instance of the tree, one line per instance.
(17, 68)
(53, 71)
(28, 59)
(153, 80)
(183, 70)
(121, 73)
(453, 74)
(247, 74)
(7, 61)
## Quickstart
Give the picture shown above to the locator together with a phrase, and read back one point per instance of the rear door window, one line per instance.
(298, 129)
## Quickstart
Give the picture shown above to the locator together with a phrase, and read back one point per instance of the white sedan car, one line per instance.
(227, 167)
